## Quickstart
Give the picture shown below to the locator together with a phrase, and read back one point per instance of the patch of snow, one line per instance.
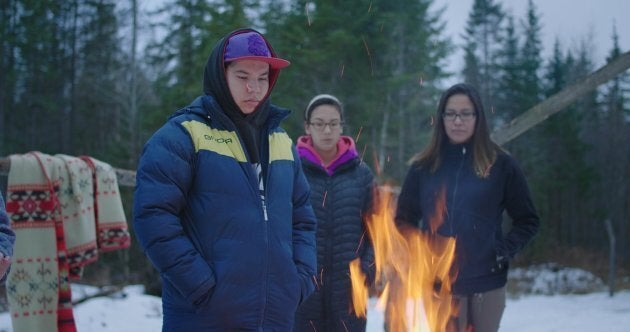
(551, 279)
(130, 310)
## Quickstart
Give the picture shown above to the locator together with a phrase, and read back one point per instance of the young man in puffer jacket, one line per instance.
(221, 204)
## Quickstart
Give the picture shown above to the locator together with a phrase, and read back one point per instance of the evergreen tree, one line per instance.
(409, 58)
(295, 31)
(471, 71)
(609, 132)
(8, 67)
(382, 59)
(40, 81)
(519, 67)
(525, 88)
(556, 72)
(510, 73)
(76, 37)
(531, 60)
(98, 117)
(482, 47)
(562, 176)
(520, 90)
(618, 88)
(555, 79)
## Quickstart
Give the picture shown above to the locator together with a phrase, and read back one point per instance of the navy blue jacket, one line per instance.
(229, 260)
(474, 213)
(340, 201)
(7, 236)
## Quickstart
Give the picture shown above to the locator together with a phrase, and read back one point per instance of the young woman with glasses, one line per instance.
(479, 181)
(341, 193)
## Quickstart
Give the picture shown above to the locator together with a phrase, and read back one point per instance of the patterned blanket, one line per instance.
(110, 216)
(56, 208)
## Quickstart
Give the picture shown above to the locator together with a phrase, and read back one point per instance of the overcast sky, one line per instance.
(571, 21)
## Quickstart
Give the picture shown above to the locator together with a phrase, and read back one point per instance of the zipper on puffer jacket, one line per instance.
(263, 180)
(261, 192)
(457, 174)
(328, 279)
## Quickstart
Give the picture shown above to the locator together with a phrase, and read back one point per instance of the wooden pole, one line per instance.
(611, 258)
(561, 100)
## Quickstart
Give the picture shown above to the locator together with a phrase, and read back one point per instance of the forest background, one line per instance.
(98, 77)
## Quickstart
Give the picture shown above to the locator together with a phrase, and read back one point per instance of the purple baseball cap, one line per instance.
(251, 46)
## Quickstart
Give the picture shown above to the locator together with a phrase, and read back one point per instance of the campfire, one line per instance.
(413, 271)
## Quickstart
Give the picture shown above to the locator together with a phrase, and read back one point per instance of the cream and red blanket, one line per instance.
(63, 210)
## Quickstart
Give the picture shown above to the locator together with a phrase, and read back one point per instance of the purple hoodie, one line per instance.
(346, 151)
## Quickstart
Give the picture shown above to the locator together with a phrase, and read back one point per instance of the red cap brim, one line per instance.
(275, 63)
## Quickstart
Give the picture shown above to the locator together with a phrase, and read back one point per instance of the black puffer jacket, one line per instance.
(339, 200)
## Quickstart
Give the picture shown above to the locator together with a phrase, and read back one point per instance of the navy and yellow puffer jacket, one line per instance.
(227, 260)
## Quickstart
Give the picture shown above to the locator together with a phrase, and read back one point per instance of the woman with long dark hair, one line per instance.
(480, 181)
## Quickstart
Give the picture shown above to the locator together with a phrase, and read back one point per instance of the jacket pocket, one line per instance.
(475, 247)
(203, 302)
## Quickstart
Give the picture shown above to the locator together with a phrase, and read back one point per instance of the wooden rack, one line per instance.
(125, 177)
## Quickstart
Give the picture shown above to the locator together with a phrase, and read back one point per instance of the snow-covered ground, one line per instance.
(133, 311)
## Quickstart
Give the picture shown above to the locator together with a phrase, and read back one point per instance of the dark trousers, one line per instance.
(481, 312)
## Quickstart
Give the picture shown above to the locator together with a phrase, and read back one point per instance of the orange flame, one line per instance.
(359, 291)
(413, 269)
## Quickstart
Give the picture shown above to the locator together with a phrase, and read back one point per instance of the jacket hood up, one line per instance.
(215, 81)
(215, 84)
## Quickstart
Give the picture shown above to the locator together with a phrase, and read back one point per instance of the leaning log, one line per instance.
(560, 100)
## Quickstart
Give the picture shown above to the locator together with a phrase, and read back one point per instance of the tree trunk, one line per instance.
(69, 109)
(612, 258)
(133, 97)
(6, 64)
(382, 150)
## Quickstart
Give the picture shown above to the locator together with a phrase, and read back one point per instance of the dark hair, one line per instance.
(323, 99)
(484, 149)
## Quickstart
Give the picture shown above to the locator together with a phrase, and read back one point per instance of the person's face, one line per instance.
(324, 127)
(248, 81)
(459, 118)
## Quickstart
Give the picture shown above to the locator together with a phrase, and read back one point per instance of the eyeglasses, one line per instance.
(320, 125)
(464, 116)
